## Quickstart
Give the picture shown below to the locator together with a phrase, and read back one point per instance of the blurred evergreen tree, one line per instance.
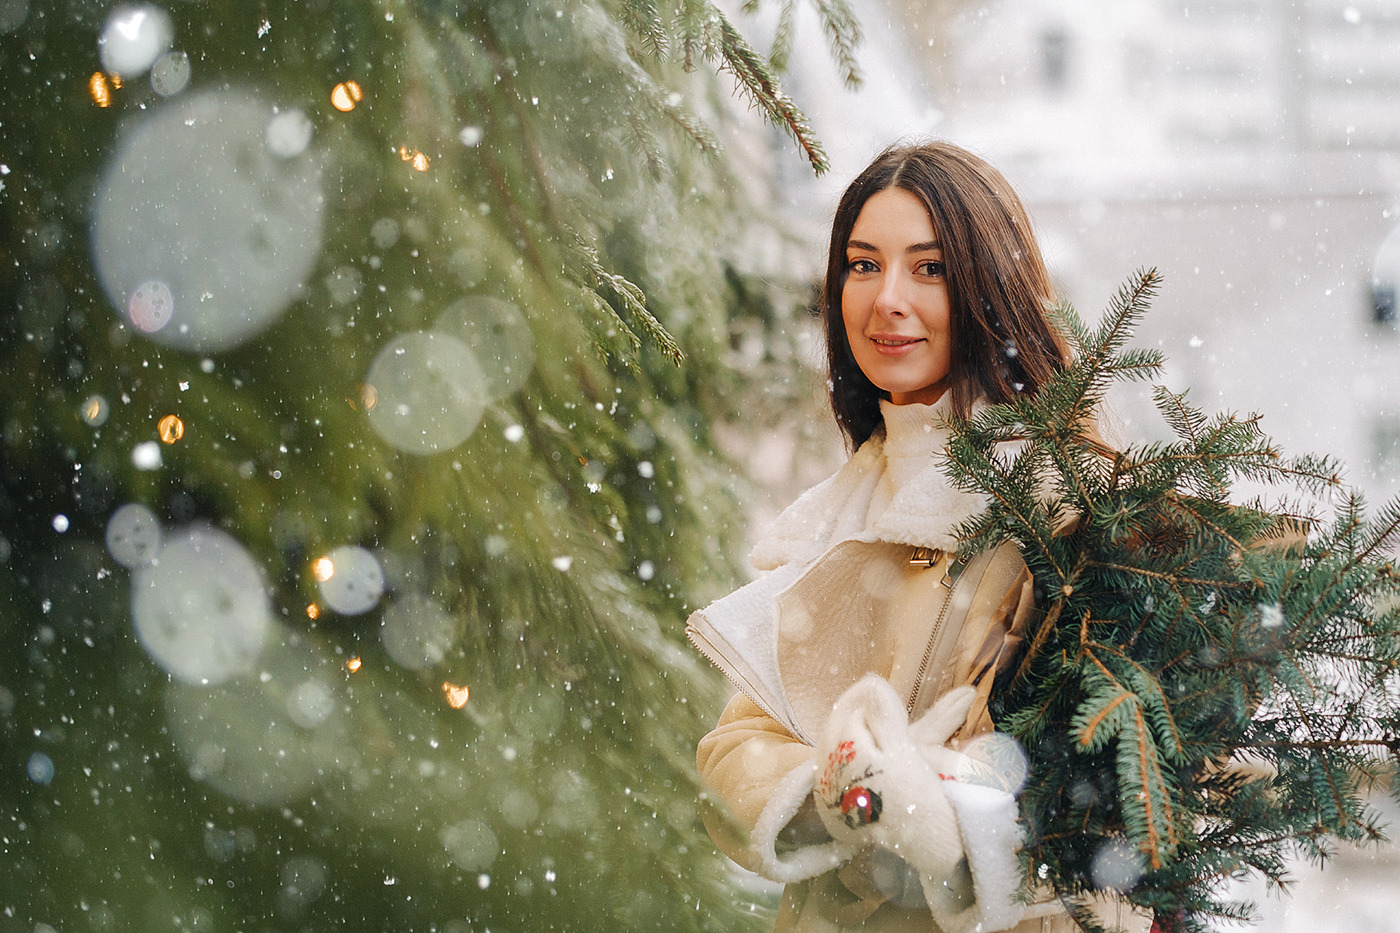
(261, 266)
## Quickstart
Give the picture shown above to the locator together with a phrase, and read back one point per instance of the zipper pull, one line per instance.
(955, 568)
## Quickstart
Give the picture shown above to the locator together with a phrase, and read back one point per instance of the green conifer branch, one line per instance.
(645, 21)
(1147, 688)
(843, 36)
(1189, 628)
(784, 34)
(760, 85)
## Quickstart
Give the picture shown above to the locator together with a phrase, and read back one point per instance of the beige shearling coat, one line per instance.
(872, 547)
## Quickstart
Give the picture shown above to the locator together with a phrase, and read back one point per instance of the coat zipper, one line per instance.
(702, 644)
(933, 635)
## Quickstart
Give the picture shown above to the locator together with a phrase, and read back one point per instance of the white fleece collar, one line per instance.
(924, 510)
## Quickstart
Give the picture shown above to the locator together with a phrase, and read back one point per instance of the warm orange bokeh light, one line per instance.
(313, 611)
(369, 396)
(323, 569)
(171, 429)
(414, 157)
(353, 665)
(346, 95)
(456, 696)
(99, 90)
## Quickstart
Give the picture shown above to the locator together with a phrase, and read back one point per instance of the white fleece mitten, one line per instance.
(981, 895)
(876, 786)
(886, 783)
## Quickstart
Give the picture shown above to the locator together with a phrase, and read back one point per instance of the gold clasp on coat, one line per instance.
(927, 556)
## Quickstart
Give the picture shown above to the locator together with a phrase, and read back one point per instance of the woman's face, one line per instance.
(895, 299)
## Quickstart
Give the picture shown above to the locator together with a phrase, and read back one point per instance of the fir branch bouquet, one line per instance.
(1184, 636)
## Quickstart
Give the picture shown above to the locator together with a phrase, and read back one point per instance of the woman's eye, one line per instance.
(861, 265)
(932, 267)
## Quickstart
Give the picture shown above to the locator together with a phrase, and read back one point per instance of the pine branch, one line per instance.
(692, 17)
(1169, 578)
(757, 81)
(843, 35)
(643, 18)
(1147, 685)
(1360, 554)
(1043, 631)
(783, 35)
(1189, 627)
(1186, 420)
(592, 276)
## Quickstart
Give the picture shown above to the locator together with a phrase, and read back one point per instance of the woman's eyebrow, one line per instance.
(925, 247)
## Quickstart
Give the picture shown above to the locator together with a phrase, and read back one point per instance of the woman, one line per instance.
(849, 764)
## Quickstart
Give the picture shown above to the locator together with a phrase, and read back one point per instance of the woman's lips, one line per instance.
(890, 345)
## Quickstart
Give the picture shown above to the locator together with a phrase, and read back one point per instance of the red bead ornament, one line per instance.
(860, 806)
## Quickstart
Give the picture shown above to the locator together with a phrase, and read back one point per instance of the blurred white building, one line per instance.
(1250, 149)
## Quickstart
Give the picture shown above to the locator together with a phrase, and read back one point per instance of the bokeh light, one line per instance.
(289, 133)
(311, 703)
(13, 13)
(430, 392)
(150, 306)
(201, 234)
(100, 89)
(471, 844)
(1117, 866)
(417, 632)
(268, 735)
(385, 232)
(304, 880)
(499, 336)
(457, 694)
(145, 456)
(994, 759)
(351, 580)
(171, 429)
(201, 608)
(133, 38)
(415, 158)
(40, 768)
(170, 74)
(95, 411)
(134, 536)
(344, 284)
(346, 94)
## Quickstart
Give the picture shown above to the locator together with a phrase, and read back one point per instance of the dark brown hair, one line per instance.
(998, 288)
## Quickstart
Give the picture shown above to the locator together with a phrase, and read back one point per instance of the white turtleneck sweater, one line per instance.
(892, 489)
(914, 441)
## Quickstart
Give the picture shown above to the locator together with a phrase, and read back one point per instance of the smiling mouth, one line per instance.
(897, 342)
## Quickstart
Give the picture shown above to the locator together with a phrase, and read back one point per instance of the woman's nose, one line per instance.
(891, 298)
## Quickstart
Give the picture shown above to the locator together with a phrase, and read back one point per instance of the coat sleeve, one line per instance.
(759, 778)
